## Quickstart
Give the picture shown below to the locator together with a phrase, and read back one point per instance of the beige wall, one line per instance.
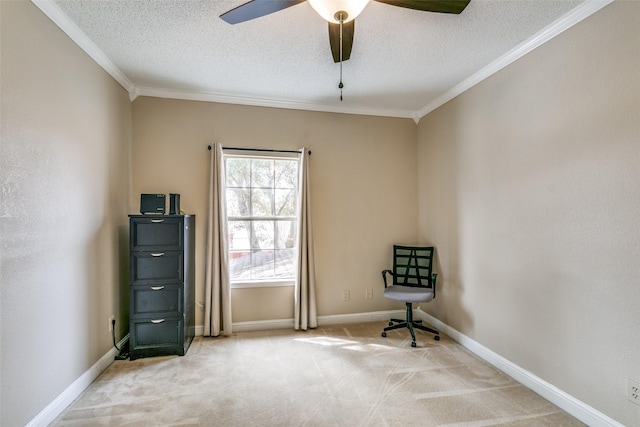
(527, 184)
(64, 176)
(530, 190)
(363, 183)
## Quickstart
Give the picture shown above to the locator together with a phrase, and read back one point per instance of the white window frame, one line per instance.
(231, 153)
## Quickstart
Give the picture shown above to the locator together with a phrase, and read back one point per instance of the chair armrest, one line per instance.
(434, 276)
(384, 276)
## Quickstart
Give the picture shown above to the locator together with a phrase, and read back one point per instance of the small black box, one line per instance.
(153, 203)
(174, 204)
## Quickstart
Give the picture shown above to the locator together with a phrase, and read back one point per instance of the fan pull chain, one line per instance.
(340, 86)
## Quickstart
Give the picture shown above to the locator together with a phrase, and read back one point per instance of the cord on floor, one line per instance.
(123, 353)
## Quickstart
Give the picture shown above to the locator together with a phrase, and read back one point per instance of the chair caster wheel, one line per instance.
(413, 343)
(384, 334)
(390, 323)
(437, 338)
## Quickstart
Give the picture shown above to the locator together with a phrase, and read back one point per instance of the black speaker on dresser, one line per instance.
(152, 203)
(174, 204)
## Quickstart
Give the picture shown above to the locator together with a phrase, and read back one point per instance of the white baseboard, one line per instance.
(566, 402)
(335, 319)
(60, 403)
(262, 325)
(374, 316)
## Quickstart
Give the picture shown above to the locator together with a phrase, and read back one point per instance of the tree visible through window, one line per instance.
(261, 195)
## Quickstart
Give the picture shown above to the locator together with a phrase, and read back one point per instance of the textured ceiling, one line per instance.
(402, 61)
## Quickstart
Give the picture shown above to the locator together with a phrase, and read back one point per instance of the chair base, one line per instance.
(410, 324)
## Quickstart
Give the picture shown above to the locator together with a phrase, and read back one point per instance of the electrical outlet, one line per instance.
(633, 391)
(345, 295)
(111, 319)
(369, 294)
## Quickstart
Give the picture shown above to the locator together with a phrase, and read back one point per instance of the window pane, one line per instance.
(262, 264)
(285, 234)
(256, 187)
(285, 202)
(261, 204)
(238, 172)
(262, 173)
(239, 235)
(263, 232)
(286, 172)
(238, 202)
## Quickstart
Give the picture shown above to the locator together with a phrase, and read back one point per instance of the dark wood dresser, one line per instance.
(161, 284)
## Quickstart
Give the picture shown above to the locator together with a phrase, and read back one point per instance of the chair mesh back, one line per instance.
(412, 265)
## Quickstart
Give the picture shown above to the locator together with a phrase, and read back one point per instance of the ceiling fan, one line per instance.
(339, 13)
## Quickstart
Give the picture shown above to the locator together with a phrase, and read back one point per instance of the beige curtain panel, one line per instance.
(217, 303)
(305, 315)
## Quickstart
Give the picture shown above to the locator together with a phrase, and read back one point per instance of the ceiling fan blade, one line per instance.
(256, 9)
(347, 40)
(440, 6)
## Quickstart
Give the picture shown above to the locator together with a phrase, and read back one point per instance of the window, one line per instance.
(261, 196)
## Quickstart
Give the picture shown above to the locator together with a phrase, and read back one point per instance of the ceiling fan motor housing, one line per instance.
(341, 16)
(330, 10)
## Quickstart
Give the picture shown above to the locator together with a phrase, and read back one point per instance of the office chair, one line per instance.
(413, 281)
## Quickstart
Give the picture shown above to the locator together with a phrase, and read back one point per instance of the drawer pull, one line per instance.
(157, 254)
(157, 321)
(157, 288)
(157, 220)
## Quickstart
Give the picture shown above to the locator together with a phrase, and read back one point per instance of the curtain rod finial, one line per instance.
(209, 147)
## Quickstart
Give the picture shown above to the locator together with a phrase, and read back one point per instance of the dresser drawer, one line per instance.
(151, 234)
(150, 300)
(157, 267)
(163, 331)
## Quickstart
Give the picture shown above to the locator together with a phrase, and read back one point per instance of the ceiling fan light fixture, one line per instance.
(329, 9)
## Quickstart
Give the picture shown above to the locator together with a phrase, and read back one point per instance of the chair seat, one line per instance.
(408, 293)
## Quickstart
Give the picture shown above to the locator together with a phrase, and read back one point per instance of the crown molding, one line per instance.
(50, 9)
(586, 9)
(61, 19)
(269, 102)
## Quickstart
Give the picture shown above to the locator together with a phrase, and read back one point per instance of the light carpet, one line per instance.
(330, 376)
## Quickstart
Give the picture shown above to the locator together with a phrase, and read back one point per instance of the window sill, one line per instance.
(262, 284)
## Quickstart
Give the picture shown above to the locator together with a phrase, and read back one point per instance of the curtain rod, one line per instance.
(260, 149)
